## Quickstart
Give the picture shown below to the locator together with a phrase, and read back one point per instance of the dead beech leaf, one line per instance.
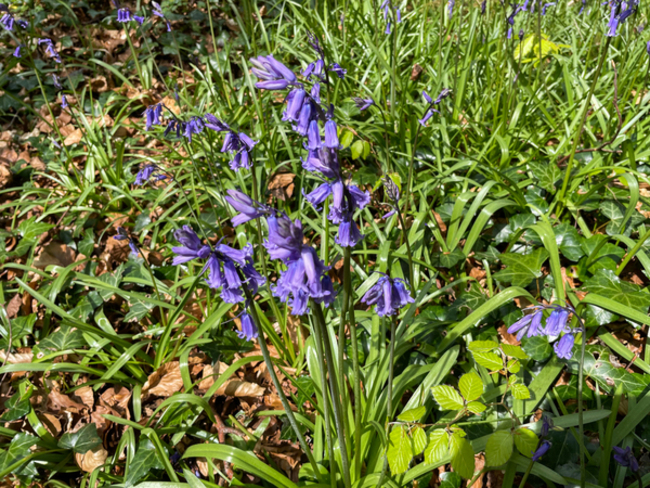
(58, 402)
(55, 254)
(15, 358)
(92, 459)
(35, 163)
(85, 395)
(99, 84)
(164, 382)
(6, 176)
(416, 72)
(171, 104)
(239, 388)
(281, 185)
(74, 138)
(211, 373)
(117, 398)
(202, 464)
(51, 423)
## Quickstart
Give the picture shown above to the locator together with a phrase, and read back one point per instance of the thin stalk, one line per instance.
(389, 400)
(583, 118)
(276, 382)
(581, 423)
(408, 250)
(326, 404)
(134, 54)
(336, 398)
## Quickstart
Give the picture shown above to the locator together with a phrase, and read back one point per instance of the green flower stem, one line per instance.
(583, 119)
(581, 423)
(336, 398)
(326, 403)
(134, 55)
(276, 382)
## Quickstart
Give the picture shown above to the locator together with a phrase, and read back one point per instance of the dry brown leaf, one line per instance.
(118, 399)
(14, 305)
(99, 84)
(59, 403)
(239, 388)
(202, 464)
(281, 185)
(85, 395)
(55, 254)
(171, 104)
(92, 459)
(15, 358)
(416, 72)
(164, 382)
(73, 138)
(51, 423)
(6, 176)
(211, 373)
(37, 164)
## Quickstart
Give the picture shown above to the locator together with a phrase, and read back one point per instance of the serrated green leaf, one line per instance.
(462, 455)
(420, 440)
(82, 441)
(476, 407)
(488, 360)
(520, 392)
(521, 269)
(346, 139)
(470, 386)
(526, 441)
(145, 459)
(366, 149)
(482, 346)
(447, 397)
(513, 351)
(498, 448)
(412, 415)
(514, 366)
(438, 446)
(400, 450)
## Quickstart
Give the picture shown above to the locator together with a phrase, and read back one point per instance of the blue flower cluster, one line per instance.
(387, 6)
(306, 114)
(124, 14)
(306, 275)
(388, 296)
(620, 10)
(557, 323)
(432, 103)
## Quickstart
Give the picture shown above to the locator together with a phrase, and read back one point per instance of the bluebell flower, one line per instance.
(248, 208)
(240, 145)
(363, 103)
(305, 276)
(22, 23)
(56, 82)
(139, 19)
(647, 48)
(64, 101)
(547, 425)
(398, 13)
(541, 450)
(324, 161)
(331, 135)
(49, 49)
(295, 101)
(193, 126)
(336, 68)
(564, 347)
(346, 199)
(625, 457)
(388, 296)
(620, 11)
(213, 123)
(121, 235)
(315, 92)
(450, 8)
(529, 325)
(521, 34)
(174, 125)
(316, 69)
(387, 31)
(248, 330)
(304, 119)
(430, 110)
(123, 15)
(546, 6)
(17, 53)
(147, 172)
(556, 322)
(275, 75)
(516, 8)
(348, 233)
(152, 114)
(157, 11)
(7, 21)
(191, 246)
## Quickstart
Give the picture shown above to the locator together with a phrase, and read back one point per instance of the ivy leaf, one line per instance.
(16, 407)
(513, 351)
(546, 173)
(462, 455)
(447, 397)
(522, 268)
(18, 449)
(412, 415)
(488, 360)
(400, 450)
(520, 392)
(145, 460)
(476, 407)
(449, 479)
(420, 440)
(607, 284)
(537, 347)
(569, 241)
(64, 338)
(526, 441)
(482, 346)
(438, 446)
(447, 259)
(471, 386)
(499, 448)
(82, 441)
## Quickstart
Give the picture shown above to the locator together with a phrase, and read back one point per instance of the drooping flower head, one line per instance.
(564, 347)
(620, 10)
(152, 114)
(193, 126)
(248, 208)
(248, 330)
(49, 49)
(529, 325)
(432, 103)
(147, 172)
(625, 457)
(240, 145)
(363, 103)
(122, 235)
(388, 296)
(17, 53)
(157, 11)
(541, 450)
(274, 74)
(305, 276)
(7, 21)
(123, 15)
(336, 69)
